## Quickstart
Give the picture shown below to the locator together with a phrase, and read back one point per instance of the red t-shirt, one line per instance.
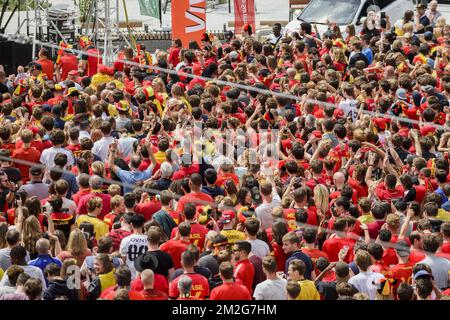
(26, 154)
(197, 236)
(416, 255)
(401, 272)
(174, 56)
(186, 172)
(314, 254)
(160, 283)
(230, 291)
(37, 144)
(198, 199)
(106, 198)
(47, 67)
(68, 63)
(175, 248)
(75, 148)
(200, 286)
(92, 62)
(226, 176)
(380, 267)
(332, 247)
(361, 191)
(148, 208)
(109, 219)
(110, 293)
(374, 228)
(153, 294)
(81, 193)
(385, 194)
(279, 255)
(390, 257)
(245, 271)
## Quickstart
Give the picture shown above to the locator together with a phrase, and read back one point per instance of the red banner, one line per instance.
(188, 20)
(244, 13)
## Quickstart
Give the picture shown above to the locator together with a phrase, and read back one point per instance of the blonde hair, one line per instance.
(77, 244)
(31, 233)
(115, 201)
(98, 168)
(321, 197)
(277, 212)
(408, 27)
(114, 190)
(339, 55)
(94, 203)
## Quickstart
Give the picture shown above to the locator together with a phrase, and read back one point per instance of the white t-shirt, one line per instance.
(264, 211)
(259, 248)
(271, 290)
(125, 144)
(131, 247)
(364, 282)
(101, 147)
(32, 271)
(67, 204)
(350, 108)
(48, 157)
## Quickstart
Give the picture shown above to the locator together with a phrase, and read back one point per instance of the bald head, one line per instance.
(42, 246)
(389, 71)
(135, 161)
(339, 179)
(148, 278)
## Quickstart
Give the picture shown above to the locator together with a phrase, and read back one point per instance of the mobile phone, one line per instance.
(382, 15)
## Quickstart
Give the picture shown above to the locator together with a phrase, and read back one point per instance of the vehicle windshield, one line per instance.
(340, 12)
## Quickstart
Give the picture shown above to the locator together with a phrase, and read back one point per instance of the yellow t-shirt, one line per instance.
(100, 227)
(308, 290)
(100, 78)
(107, 280)
(366, 218)
(443, 215)
(233, 235)
(160, 156)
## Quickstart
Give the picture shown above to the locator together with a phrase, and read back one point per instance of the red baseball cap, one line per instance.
(227, 216)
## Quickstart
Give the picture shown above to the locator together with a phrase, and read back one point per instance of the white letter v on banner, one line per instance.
(199, 23)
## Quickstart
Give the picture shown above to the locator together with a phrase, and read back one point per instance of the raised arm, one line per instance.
(405, 225)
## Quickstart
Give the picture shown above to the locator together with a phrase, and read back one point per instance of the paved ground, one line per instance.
(272, 10)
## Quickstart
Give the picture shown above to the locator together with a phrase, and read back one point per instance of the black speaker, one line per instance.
(14, 54)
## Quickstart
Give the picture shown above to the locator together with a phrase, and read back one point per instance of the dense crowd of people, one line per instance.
(304, 167)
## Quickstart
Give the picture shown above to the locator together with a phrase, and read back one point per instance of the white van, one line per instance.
(344, 12)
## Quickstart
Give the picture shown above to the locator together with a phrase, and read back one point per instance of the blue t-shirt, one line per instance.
(305, 258)
(133, 177)
(43, 260)
(369, 54)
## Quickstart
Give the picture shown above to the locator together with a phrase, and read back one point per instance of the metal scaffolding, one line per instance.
(102, 27)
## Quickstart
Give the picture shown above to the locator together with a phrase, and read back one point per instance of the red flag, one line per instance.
(244, 14)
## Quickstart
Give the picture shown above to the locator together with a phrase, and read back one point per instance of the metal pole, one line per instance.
(106, 50)
(27, 19)
(96, 17)
(160, 13)
(36, 27)
(229, 6)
